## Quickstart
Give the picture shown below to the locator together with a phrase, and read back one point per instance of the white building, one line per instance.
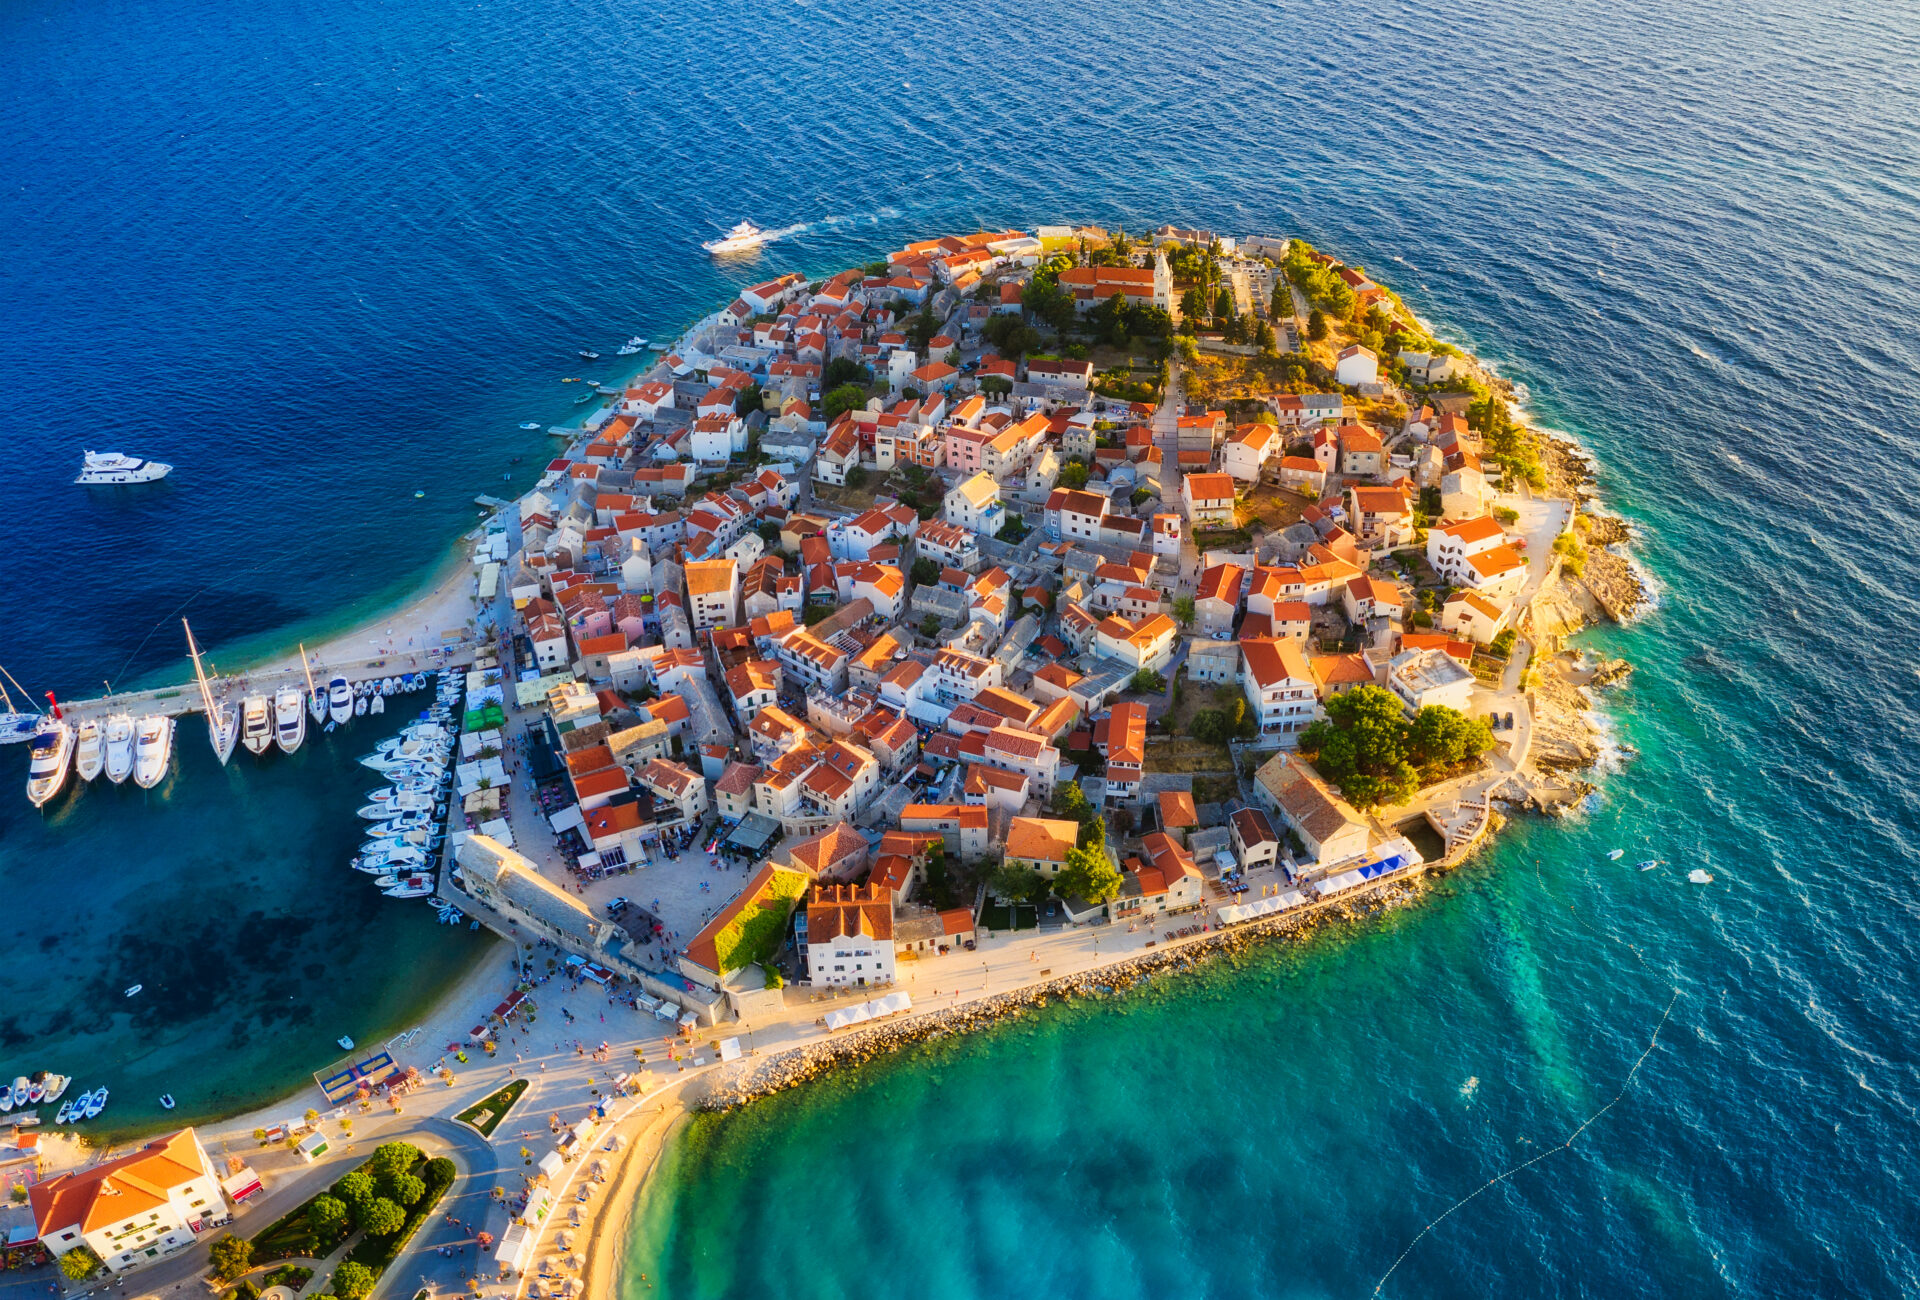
(1356, 365)
(1423, 677)
(1449, 545)
(713, 593)
(850, 936)
(133, 1210)
(1279, 687)
(975, 505)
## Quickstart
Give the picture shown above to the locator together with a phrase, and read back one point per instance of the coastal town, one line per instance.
(1012, 613)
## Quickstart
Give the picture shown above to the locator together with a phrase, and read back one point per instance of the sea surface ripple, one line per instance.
(321, 257)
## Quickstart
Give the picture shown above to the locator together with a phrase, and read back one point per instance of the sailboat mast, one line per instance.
(307, 666)
(206, 695)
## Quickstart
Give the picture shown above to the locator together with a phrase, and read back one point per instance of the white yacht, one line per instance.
(50, 750)
(119, 747)
(631, 346)
(340, 701)
(152, 750)
(112, 467)
(742, 237)
(289, 719)
(90, 749)
(256, 724)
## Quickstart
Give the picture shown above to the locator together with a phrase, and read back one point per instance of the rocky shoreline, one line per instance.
(747, 1082)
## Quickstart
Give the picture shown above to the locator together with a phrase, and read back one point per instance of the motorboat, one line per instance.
(36, 1091)
(20, 1090)
(419, 886)
(95, 1103)
(529, 424)
(406, 803)
(289, 719)
(56, 1084)
(119, 747)
(50, 753)
(587, 354)
(152, 750)
(631, 346)
(360, 707)
(90, 749)
(340, 701)
(256, 724)
(346, 1044)
(740, 239)
(399, 860)
(66, 1110)
(6, 1100)
(113, 467)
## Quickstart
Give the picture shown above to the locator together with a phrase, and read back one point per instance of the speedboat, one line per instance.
(631, 346)
(340, 701)
(152, 750)
(50, 751)
(406, 803)
(399, 860)
(112, 467)
(419, 886)
(529, 424)
(36, 1091)
(360, 707)
(90, 749)
(21, 1089)
(742, 237)
(56, 1084)
(289, 720)
(256, 724)
(166, 1100)
(119, 747)
(66, 1110)
(6, 1100)
(589, 355)
(96, 1103)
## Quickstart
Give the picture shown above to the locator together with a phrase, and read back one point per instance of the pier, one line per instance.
(185, 697)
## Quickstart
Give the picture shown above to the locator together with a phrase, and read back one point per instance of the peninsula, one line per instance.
(1012, 616)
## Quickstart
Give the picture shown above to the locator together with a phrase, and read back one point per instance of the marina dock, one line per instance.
(185, 698)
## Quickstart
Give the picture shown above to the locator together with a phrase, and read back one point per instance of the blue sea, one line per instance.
(324, 256)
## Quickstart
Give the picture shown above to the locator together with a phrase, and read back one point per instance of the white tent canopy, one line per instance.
(729, 1049)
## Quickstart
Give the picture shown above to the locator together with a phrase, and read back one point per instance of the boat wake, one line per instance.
(828, 223)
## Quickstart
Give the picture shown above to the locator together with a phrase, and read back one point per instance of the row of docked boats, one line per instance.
(407, 817)
(121, 745)
(43, 1088)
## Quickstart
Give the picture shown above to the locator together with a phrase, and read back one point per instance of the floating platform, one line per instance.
(341, 1081)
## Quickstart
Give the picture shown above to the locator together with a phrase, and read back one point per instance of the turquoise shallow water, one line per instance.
(321, 257)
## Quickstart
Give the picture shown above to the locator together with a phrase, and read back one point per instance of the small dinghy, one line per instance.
(346, 1044)
(166, 1099)
(1649, 864)
(1699, 877)
(135, 989)
(1614, 855)
(378, 704)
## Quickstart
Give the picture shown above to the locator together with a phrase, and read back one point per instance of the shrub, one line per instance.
(80, 1263)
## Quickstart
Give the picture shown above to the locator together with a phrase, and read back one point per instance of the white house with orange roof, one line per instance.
(135, 1209)
(1451, 546)
(1474, 616)
(1208, 498)
(1148, 644)
(975, 505)
(1355, 366)
(1248, 450)
(1279, 687)
(713, 593)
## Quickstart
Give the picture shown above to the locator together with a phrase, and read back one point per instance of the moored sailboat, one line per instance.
(223, 720)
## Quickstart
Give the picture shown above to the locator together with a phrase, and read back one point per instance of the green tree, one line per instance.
(996, 385)
(844, 370)
(923, 326)
(1074, 474)
(930, 626)
(1088, 874)
(1316, 325)
(1193, 303)
(847, 397)
(857, 477)
(1265, 340)
(1147, 682)
(1183, 611)
(230, 1256)
(328, 1215)
(383, 1218)
(352, 1281)
(751, 399)
(355, 1188)
(1208, 726)
(80, 1263)
(1280, 302)
(1070, 801)
(925, 572)
(1223, 303)
(1015, 879)
(407, 1189)
(392, 1158)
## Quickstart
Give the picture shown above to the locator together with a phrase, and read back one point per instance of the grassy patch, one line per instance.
(1222, 539)
(485, 1116)
(1185, 754)
(294, 1236)
(1021, 916)
(1214, 789)
(294, 1277)
(755, 933)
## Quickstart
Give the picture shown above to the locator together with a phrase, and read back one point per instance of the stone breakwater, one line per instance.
(748, 1081)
